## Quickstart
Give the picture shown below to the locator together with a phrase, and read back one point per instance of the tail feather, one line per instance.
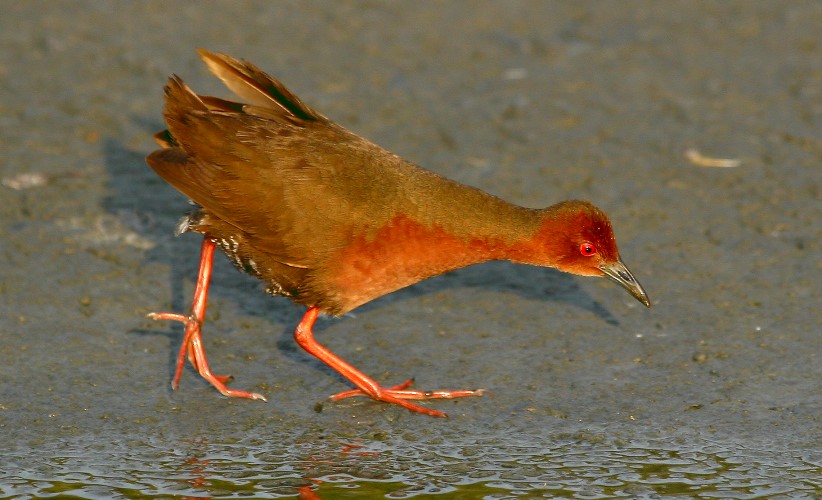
(181, 171)
(180, 99)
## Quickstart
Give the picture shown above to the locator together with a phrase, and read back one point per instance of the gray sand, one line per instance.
(713, 392)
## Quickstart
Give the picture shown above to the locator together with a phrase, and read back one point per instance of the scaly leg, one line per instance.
(365, 385)
(193, 337)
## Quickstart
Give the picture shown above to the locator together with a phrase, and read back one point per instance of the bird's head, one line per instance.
(576, 237)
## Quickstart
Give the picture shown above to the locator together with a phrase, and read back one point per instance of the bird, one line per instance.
(332, 221)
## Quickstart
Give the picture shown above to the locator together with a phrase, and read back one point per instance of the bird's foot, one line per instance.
(193, 347)
(398, 394)
(366, 386)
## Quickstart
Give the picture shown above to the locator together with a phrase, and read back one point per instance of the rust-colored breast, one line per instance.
(399, 254)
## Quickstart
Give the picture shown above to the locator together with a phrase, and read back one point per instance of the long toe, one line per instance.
(234, 393)
(356, 392)
(399, 395)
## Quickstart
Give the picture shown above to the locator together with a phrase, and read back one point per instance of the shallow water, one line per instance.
(587, 465)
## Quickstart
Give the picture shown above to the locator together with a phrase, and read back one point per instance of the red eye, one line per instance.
(587, 249)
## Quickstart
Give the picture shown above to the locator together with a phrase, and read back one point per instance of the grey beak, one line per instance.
(620, 274)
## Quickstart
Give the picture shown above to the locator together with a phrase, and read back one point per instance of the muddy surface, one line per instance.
(713, 392)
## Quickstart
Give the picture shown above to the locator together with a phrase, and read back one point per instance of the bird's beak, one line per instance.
(620, 274)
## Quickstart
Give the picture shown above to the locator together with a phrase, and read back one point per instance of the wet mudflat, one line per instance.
(714, 392)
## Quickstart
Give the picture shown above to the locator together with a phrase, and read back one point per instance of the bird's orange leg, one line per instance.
(193, 337)
(365, 385)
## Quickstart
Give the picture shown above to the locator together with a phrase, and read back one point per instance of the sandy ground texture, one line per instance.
(696, 126)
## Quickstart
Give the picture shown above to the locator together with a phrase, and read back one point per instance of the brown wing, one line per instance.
(250, 83)
(275, 179)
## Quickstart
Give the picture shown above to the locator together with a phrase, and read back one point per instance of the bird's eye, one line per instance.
(587, 249)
